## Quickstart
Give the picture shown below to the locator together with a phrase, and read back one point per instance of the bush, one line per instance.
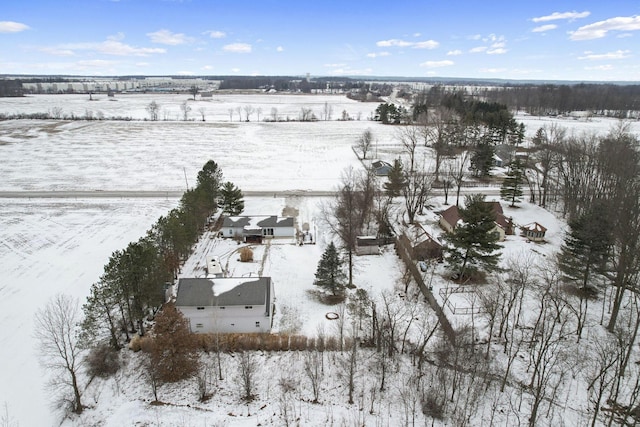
(246, 254)
(102, 361)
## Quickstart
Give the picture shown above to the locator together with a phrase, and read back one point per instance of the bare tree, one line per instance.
(185, 108)
(458, 170)
(202, 112)
(57, 334)
(313, 369)
(327, 111)
(247, 369)
(274, 114)
(364, 142)
(306, 114)
(416, 192)
(153, 109)
(258, 112)
(248, 111)
(239, 111)
(410, 137)
(351, 210)
(194, 90)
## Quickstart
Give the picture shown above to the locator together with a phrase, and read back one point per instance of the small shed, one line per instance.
(424, 245)
(381, 168)
(534, 231)
(367, 245)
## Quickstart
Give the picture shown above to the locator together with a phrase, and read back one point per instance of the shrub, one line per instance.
(246, 254)
(102, 361)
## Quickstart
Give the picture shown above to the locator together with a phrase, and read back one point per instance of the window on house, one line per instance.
(230, 232)
(200, 308)
(257, 324)
(222, 308)
(248, 307)
(267, 231)
(199, 325)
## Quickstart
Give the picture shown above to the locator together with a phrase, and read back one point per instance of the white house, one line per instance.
(226, 305)
(253, 229)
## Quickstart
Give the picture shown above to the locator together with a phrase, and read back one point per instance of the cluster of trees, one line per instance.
(603, 99)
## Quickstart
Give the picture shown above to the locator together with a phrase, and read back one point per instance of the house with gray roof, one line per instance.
(254, 229)
(227, 304)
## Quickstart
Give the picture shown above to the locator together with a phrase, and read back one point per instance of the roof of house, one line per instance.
(534, 226)
(451, 215)
(381, 168)
(422, 237)
(227, 291)
(256, 222)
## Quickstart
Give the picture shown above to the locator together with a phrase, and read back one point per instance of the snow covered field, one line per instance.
(50, 246)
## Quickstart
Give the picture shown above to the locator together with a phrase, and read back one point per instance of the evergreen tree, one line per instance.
(329, 274)
(482, 159)
(511, 189)
(231, 199)
(587, 245)
(395, 179)
(209, 181)
(474, 242)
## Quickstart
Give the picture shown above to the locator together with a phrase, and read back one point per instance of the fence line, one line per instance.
(405, 254)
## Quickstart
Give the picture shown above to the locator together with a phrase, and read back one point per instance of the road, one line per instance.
(124, 194)
(176, 194)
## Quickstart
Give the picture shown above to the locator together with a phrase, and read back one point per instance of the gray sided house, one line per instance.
(253, 229)
(227, 305)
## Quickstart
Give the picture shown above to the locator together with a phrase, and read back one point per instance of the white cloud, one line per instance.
(12, 27)
(417, 34)
(562, 15)
(493, 70)
(377, 54)
(455, 52)
(334, 65)
(237, 48)
(607, 67)
(437, 64)
(475, 37)
(207, 67)
(544, 28)
(478, 49)
(169, 38)
(57, 52)
(279, 49)
(216, 34)
(600, 29)
(112, 47)
(496, 51)
(427, 44)
(618, 54)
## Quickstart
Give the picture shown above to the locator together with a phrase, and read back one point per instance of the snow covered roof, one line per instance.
(534, 227)
(227, 291)
(257, 222)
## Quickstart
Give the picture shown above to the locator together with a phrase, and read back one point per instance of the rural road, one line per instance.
(176, 194)
(116, 194)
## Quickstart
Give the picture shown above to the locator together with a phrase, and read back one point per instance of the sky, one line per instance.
(517, 39)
